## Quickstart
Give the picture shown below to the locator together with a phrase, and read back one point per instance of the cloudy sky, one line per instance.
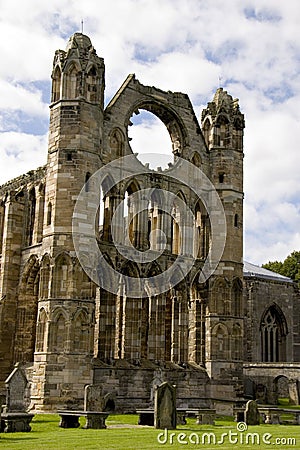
(251, 48)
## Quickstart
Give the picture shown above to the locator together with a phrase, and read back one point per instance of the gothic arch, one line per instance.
(56, 84)
(155, 214)
(172, 121)
(222, 132)
(131, 220)
(116, 142)
(87, 182)
(202, 231)
(236, 347)
(27, 311)
(220, 344)
(49, 214)
(180, 318)
(40, 207)
(273, 330)
(196, 159)
(70, 83)
(92, 89)
(80, 332)
(31, 219)
(128, 318)
(237, 297)
(206, 127)
(107, 207)
(45, 277)
(2, 219)
(220, 297)
(41, 331)
(132, 186)
(177, 239)
(83, 287)
(197, 320)
(57, 311)
(58, 330)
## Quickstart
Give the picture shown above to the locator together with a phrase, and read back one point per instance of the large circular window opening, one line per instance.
(149, 135)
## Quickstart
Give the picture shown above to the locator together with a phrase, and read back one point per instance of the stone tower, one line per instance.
(222, 125)
(66, 302)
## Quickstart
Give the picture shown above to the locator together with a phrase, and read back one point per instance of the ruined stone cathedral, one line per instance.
(233, 335)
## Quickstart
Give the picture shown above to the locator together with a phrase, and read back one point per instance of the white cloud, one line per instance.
(179, 45)
(25, 99)
(19, 153)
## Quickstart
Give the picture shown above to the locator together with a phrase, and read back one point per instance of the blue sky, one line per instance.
(251, 47)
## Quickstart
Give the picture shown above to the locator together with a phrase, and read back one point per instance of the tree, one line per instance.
(290, 267)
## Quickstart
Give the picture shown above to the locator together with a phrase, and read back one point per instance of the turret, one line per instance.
(222, 122)
(222, 125)
(78, 73)
(76, 127)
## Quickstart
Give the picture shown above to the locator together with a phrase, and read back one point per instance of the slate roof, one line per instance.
(251, 270)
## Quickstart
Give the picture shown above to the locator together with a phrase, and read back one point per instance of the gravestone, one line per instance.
(14, 416)
(165, 406)
(94, 400)
(252, 416)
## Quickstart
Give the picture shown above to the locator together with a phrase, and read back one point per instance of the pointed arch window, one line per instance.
(40, 331)
(237, 342)
(196, 160)
(236, 220)
(45, 278)
(80, 333)
(177, 226)
(116, 142)
(71, 83)
(132, 218)
(49, 213)
(202, 233)
(56, 83)
(222, 134)
(273, 329)
(59, 335)
(237, 296)
(91, 83)
(155, 219)
(220, 342)
(207, 132)
(2, 216)
(87, 182)
(220, 297)
(30, 217)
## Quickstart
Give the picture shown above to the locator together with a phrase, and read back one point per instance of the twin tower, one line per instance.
(87, 320)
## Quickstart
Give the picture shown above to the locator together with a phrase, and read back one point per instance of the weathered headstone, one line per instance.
(252, 416)
(165, 406)
(95, 400)
(293, 389)
(14, 414)
(15, 390)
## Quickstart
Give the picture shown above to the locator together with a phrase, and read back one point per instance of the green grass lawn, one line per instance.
(122, 434)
